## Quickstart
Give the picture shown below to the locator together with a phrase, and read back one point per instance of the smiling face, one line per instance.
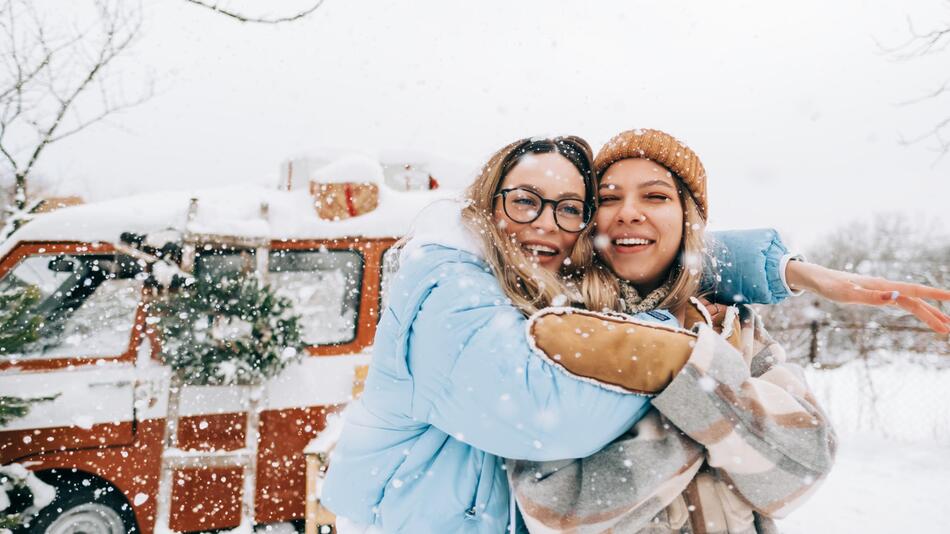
(551, 176)
(639, 222)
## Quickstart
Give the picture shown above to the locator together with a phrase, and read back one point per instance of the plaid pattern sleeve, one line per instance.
(625, 487)
(767, 440)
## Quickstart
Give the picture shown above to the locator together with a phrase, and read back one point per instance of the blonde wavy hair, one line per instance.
(580, 282)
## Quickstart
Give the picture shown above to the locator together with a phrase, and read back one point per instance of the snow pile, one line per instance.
(328, 437)
(448, 172)
(16, 475)
(879, 486)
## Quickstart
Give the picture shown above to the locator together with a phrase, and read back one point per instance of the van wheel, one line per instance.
(84, 505)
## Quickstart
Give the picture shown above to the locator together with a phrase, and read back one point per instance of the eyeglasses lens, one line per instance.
(525, 206)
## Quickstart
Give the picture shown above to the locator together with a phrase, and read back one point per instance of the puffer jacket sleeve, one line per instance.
(762, 427)
(746, 267)
(475, 378)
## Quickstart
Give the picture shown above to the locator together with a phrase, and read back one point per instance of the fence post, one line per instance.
(813, 348)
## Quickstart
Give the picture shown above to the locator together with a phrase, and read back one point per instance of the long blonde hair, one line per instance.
(529, 286)
(687, 271)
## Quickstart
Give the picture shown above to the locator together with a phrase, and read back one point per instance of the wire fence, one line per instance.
(875, 380)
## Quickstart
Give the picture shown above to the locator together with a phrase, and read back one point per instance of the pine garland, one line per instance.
(232, 331)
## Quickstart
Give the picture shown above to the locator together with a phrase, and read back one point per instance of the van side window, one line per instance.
(324, 286)
(80, 305)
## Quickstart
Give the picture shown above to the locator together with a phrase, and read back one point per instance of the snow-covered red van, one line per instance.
(99, 440)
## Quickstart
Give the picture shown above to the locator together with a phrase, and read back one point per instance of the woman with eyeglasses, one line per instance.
(455, 386)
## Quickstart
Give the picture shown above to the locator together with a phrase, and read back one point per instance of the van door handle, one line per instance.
(119, 384)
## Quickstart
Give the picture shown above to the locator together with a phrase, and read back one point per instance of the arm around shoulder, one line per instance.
(476, 378)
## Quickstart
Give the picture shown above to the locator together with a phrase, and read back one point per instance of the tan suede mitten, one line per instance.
(619, 352)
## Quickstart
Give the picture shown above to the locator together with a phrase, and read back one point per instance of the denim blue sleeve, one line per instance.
(746, 266)
(475, 378)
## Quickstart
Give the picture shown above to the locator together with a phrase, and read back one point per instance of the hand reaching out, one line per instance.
(850, 288)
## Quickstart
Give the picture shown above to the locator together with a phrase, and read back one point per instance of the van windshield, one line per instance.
(68, 305)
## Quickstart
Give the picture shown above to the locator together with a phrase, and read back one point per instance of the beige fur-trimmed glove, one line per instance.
(618, 351)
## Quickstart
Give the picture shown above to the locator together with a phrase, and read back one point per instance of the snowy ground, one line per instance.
(892, 472)
(879, 486)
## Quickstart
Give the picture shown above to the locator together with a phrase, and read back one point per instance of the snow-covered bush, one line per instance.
(15, 480)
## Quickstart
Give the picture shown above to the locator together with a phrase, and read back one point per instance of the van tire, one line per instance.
(83, 503)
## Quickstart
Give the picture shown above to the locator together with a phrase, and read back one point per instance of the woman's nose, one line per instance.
(630, 213)
(545, 221)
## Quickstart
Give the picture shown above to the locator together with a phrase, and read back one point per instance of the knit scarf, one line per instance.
(631, 302)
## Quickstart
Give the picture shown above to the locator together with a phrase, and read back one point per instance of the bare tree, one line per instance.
(53, 86)
(920, 44)
(260, 19)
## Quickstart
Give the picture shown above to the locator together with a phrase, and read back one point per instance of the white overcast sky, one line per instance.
(792, 106)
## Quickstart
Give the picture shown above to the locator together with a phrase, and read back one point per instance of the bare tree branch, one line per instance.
(944, 87)
(920, 44)
(259, 20)
(45, 96)
(50, 78)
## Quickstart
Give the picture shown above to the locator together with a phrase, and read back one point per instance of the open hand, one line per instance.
(850, 288)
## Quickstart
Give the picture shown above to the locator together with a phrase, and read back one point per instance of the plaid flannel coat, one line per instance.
(736, 439)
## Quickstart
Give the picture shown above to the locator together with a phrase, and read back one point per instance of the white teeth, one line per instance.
(632, 241)
(540, 249)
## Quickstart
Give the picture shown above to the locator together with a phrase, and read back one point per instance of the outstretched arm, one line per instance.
(850, 288)
(752, 266)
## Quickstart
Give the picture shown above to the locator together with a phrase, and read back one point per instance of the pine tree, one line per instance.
(18, 328)
(18, 325)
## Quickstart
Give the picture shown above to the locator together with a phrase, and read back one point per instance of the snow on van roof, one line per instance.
(352, 168)
(233, 211)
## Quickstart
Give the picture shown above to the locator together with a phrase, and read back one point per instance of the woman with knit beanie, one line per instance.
(455, 385)
(734, 437)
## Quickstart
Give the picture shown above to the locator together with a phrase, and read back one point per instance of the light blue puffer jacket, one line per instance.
(454, 386)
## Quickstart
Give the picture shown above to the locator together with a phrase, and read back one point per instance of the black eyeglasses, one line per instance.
(525, 206)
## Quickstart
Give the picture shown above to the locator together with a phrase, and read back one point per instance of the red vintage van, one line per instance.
(100, 441)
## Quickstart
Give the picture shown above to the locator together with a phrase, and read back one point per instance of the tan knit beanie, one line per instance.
(663, 149)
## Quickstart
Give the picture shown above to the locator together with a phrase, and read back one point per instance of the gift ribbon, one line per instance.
(348, 194)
